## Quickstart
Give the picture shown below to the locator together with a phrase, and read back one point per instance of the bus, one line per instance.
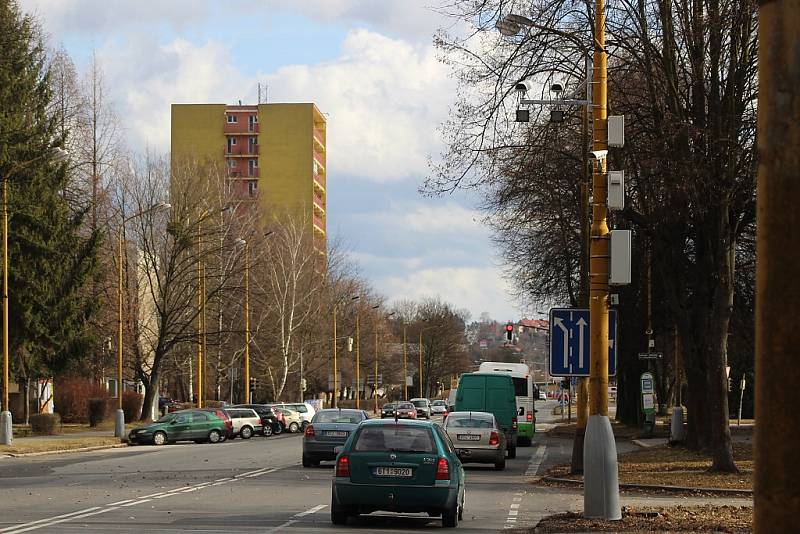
(524, 389)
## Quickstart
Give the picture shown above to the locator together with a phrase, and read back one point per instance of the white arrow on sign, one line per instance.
(581, 324)
(559, 323)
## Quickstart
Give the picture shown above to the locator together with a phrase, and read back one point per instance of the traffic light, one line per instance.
(253, 383)
(510, 332)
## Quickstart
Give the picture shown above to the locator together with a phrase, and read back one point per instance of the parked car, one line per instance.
(407, 466)
(291, 419)
(329, 429)
(189, 425)
(219, 412)
(423, 407)
(388, 410)
(270, 420)
(439, 407)
(477, 438)
(305, 410)
(492, 393)
(246, 422)
(405, 410)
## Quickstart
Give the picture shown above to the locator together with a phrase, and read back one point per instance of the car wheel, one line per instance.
(246, 432)
(294, 427)
(450, 517)
(214, 436)
(159, 438)
(222, 438)
(267, 431)
(512, 452)
(500, 464)
(307, 461)
(338, 513)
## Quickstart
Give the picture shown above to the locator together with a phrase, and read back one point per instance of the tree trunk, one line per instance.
(150, 394)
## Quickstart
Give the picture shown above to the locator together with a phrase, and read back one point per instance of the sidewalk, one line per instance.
(58, 443)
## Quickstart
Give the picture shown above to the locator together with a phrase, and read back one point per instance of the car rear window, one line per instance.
(466, 422)
(394, 438)
(337, 417)
(405, 406)
(420, 403)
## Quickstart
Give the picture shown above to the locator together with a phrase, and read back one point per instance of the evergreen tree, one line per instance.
(49, 261)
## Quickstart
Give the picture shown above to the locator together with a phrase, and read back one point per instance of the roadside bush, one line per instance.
(71, 397)
(98, 409)
(45, 423)
(132, 405)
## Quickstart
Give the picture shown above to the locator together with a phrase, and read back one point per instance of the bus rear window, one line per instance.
(520, 386)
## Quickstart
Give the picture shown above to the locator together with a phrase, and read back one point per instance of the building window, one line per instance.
(231, 163)
(252, 188)
(232, 119)
(231, 144)
(251, 166)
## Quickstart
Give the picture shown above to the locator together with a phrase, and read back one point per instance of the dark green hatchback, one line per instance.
(398, 466)
(187, 425)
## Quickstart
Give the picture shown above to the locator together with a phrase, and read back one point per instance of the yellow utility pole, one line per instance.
(247, 321)
(119, 322)
(600, 471)
(358, 362)
(5, 297)
(420, 364)
(375, 390)
(405, 365)
(335, 392)
(777, 473)
(200, 314)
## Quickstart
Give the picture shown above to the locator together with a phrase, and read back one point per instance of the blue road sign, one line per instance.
(569, 342)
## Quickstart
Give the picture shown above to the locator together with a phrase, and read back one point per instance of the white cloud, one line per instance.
(472, 289)
(385, 98)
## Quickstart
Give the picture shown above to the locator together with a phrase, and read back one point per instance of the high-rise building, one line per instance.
(275, 154)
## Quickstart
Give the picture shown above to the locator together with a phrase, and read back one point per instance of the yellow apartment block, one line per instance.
(275, 154)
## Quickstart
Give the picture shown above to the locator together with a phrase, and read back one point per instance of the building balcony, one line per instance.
(319, 183)
(244, 174)
(319, 224)
(240, 128)
(320, 159)
(241, 150)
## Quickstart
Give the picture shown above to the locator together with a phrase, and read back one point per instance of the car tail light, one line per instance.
(442, 470)
(343, 467)
(529, 417)
(513, 423)
(309, 431)
(494, 439)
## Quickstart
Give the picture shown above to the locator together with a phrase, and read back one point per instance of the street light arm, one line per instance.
(521, 20)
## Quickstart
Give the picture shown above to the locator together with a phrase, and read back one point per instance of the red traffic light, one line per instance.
(510, 327)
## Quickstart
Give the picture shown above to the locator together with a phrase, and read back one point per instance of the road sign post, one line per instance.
(569, 342)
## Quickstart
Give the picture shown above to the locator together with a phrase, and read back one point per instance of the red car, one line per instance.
(405, 410)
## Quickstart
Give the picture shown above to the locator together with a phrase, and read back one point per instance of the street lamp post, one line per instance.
(119, 419)
(405, 365)
(6, 429)
(358, 358)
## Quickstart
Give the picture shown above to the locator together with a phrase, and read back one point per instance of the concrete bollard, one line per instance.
(6, 430)
(119, 424)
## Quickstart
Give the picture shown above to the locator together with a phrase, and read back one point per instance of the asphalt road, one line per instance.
(238, 486)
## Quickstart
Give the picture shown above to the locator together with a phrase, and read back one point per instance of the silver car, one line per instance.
(423, 407)
(439, 407)
(246, 422)
(477, 438)
(329, 429)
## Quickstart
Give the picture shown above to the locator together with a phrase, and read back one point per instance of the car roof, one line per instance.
(345, 410)
(402, 422)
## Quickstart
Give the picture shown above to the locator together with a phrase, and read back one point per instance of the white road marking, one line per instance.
(23, 525)
(96, 510)
(311, 510)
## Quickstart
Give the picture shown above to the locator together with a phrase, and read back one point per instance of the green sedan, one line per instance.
(398, 466)
(188, 425)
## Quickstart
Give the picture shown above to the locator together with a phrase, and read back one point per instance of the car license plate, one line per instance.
(336, 433)
(468, 437)
(397, 472)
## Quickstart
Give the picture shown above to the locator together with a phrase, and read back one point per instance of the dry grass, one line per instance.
(60, 444)
(657, 519)
(677, 466)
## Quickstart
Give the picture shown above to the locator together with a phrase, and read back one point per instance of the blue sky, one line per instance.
(368, 64)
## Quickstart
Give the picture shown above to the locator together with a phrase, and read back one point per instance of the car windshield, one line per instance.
(338, 417)
(405, 406)
(388, 406)
(467, 422)
(394, 438)
(420, 403)
(438, 403)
